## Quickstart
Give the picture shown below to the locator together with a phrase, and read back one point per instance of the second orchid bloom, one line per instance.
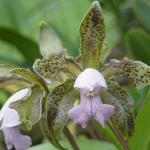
(90, 83)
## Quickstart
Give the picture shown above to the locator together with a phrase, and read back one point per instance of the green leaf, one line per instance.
(12, 79)
(137, 71)
(123, 114)
(52, 65)
(138, 43)
(60, 101)
(141, 137)
(92, 32)
(85, 144)
(30, 108)
(142, 11)
(6, 68)
(49, 41)
(26, 46)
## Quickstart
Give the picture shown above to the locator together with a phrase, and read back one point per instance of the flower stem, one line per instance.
(44, 85)
(70, 138)
(119, 137)
(122, 139)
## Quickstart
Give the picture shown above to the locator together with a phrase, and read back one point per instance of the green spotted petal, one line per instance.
(28, 75)
(137, 71)
(30, 109)
(123, 115)
(13, 79)
(60, 101)
(48, 134)
(49, 41)
(92, 32)
(6, 68)
(52, 65)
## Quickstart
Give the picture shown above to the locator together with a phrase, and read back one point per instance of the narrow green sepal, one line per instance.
(92, 32)
(49, 41)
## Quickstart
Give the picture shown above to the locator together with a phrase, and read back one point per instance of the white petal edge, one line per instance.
(17, 96)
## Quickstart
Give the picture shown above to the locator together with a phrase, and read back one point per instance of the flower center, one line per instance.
(90, 94)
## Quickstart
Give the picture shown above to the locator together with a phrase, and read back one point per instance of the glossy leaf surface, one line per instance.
(138, 42)
(142, 11)
(26, 46)
(142, 128)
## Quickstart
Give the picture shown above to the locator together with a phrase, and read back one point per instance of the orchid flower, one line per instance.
(90, 83)
(10, 124)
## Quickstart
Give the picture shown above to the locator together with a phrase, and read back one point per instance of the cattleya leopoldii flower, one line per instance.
(90, 83)
(10, 124)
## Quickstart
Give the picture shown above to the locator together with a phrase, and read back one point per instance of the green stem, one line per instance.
(70, 138)
(122, 139)
(98, 132)
(91, 132)
(44, 85)
(118, 135)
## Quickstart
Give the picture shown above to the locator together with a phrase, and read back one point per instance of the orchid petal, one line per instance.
(13, 137)
(90, 79)
(81, 113)
(10, 119)
(101, 112)
(17, 96)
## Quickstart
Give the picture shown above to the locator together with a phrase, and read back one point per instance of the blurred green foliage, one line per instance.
(84, 145)
(127, 32)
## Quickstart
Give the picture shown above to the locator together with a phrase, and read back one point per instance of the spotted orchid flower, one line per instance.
(10, 124)
(90, 83)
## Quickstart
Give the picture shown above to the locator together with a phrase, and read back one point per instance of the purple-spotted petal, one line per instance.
(81, 113)
(101, 112)
(90, 79)
(13, 137)
(17, 96)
